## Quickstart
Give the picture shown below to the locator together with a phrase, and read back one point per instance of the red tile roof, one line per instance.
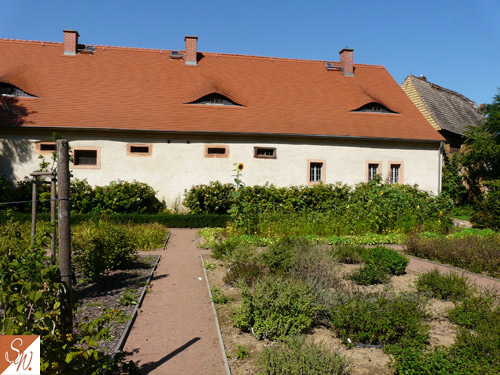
(139, 89)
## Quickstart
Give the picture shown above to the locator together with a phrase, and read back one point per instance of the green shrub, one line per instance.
(244, 265)
(296, 356)
(487, 210)
(280, 255)
(99, 247)
(370, 274)
(473, 310)
(476, 253)
(277, 307)
(316, 267)
(437, 285)
(148, 236)
(380, 264)
(350, 254)
(126, 197)
(416, 361)
(214, 198)
(386, 259)
(379, 319)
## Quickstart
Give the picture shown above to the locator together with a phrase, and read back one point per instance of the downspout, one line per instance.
(440, 166)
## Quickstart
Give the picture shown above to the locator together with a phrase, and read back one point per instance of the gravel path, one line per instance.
(175, 331)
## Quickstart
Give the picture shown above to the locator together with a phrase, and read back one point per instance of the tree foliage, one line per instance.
(482, 158)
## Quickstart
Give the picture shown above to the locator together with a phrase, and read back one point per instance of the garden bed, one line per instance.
(111, 300)
(243, 348)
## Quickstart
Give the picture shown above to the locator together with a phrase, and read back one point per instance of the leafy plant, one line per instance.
(99, 247)
(295, 356)
(128, 298)
(379, 319)
(350, 254)
(438, 285)
(218, 297)
(242, 353)
(277, 307)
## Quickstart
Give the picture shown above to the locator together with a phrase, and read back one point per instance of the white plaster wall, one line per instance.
(178, 165)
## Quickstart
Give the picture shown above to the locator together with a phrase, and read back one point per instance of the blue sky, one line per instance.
(455, 44)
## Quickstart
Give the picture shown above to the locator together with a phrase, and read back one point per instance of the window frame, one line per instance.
(97, 149)
(255, 152)
(216, 155)
(139, 154)
(323, 171)
(379, 169)
(401, 172)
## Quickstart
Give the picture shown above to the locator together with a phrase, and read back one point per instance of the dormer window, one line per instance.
(215, 99)
(374, 107)
(6, 89)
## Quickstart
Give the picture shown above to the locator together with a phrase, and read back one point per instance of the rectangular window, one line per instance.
(45, 147)
(395, 173)
(139, 150)
(216, 151)
(316, 172)
(86, 157)
(264, 152)
(373, 169)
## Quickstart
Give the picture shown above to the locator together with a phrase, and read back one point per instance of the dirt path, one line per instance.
(175, 331)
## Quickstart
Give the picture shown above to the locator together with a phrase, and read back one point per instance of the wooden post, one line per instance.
(53, 217)
(33, 211)
(64, 233)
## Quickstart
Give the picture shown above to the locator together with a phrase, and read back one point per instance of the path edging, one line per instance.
(219, 333)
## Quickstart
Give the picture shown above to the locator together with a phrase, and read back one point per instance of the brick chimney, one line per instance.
(70, 42)
(190, 54)
(346, 61)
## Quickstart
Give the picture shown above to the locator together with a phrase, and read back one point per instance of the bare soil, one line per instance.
(96, 297)
(365, 360)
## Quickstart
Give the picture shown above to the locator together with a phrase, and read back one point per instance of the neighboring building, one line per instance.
(178, 118)
(447, 111)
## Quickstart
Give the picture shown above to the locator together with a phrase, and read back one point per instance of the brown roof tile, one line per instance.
(125, 88)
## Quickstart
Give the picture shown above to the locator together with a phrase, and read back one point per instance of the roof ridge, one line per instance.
(27, 41)
(223, 54)
(436, 86)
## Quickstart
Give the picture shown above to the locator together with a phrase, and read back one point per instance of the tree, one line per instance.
(482, 155)
(482, 163)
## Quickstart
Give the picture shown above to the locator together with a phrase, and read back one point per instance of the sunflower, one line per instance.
(240, 166)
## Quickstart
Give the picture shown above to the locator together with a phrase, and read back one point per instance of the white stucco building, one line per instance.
(174, 119)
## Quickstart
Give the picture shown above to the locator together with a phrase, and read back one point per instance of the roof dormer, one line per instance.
(215, 99)
(373, 107)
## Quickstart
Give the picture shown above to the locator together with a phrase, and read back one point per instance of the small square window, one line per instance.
(264, 152)
(316, 172)
(216, 151)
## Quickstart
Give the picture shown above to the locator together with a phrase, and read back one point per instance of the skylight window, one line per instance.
(215, 99)
(6, 89)
(374, 107)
